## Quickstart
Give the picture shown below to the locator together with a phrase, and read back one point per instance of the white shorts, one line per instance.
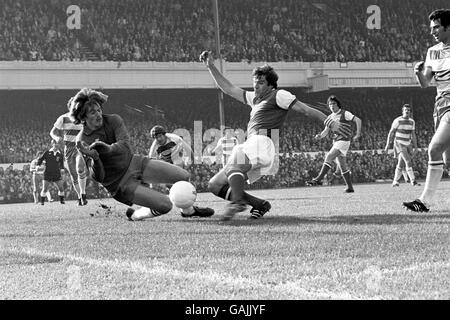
(261, 152)
(342, 146)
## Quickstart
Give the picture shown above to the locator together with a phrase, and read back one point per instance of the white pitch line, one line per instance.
(162, 269)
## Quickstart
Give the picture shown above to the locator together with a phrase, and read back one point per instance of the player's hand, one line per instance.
(101, 145)
(317, 136)
(86, 150)
(419, 67)
(207, 58)
(341, 128)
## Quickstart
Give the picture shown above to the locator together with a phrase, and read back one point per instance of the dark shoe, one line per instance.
(83, 199)
(416, 205)
(199, 212)
(349, 190)
(415, 184)
(395, 184)
(80, 203)
(257, 213)
(232, 209)
(313, 183)
(129, 213)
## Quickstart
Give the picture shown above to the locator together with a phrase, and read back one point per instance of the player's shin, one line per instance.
(325, 168)
(236, 181)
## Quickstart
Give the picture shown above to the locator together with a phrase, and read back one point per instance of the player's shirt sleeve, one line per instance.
(175, 138)
(395, 124)
(348, 115)
(152, 151)
(428, 60)
(59, 123)
(248, 97)
(285, 99)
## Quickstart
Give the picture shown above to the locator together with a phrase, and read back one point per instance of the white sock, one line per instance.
(434, 175)
(49, 196)
(82, 184)
(405, 175)
(410, 173)
(397, 175)
(143, 213)
(188, 211)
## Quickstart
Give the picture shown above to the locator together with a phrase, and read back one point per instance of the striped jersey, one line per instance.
(438, 58)
(268, 111)
(70, 132)
(227, 144)
(404, 127)
(167, 151)
(342, 116)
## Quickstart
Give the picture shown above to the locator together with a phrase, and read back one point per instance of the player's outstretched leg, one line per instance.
(157, 171)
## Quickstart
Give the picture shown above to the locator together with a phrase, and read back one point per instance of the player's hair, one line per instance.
(269, 73)
(443, 15)
(79, 104)
(157, 130)
(335, 99)
(406, 105)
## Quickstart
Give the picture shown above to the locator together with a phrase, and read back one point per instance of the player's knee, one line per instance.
(82, 175)
(213, 187)
(185, 175)
(435, 152)
(164, 206)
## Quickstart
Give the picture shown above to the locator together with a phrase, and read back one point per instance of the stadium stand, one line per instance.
(27, 119)
(252, 30)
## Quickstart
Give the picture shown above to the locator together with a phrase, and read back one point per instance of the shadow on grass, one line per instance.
(376, 219)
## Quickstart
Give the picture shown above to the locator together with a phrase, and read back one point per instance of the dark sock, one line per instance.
(348, 179)
(248, 198)
(237, 183)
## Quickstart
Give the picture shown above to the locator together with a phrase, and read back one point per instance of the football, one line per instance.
(182, 194)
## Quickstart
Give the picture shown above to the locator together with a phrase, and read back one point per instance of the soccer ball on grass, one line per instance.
(182, 194)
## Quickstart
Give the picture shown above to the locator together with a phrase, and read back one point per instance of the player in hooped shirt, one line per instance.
(403, 136)
(436, 67)
(66, 131)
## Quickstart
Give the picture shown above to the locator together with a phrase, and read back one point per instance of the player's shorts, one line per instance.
(342, 146)
(261, 152)
(441, 108)
(131, 180)
(36, 179)
(71, 164)
(399, 148)
(52, 176)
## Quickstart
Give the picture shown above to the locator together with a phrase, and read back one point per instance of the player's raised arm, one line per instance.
(223, 83)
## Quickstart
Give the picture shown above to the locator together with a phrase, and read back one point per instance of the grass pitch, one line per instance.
(315, 243)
